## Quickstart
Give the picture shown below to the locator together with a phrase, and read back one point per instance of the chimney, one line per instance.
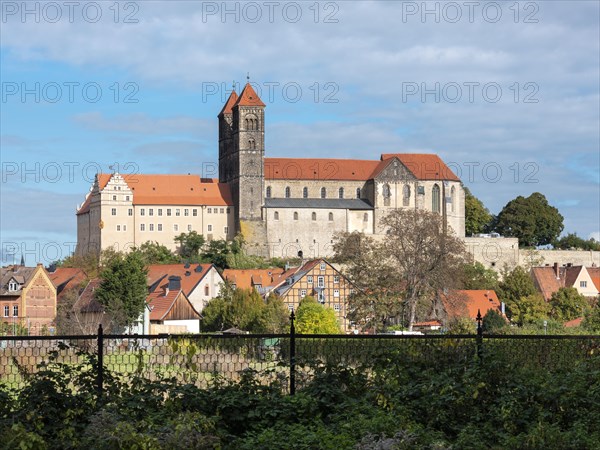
(174, 283)
(556, 274)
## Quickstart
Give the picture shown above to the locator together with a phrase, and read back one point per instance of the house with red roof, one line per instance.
(462, 303)
(549, 279)
(280, 205)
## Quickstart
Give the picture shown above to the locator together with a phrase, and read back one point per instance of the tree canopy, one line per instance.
(314, 318)
(568, 304)
(123, 288)
(572, 241)
(530, 219)
(417, 259)
(477, 276)
(515, 285)
(477, 217)
(155, 253)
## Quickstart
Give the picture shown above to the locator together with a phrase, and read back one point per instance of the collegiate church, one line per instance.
(280, 205)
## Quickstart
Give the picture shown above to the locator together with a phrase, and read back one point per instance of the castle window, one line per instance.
(168, 211)
(114, 197)
(159, 227)
(406, 195)
(186, 212)
(226, 230)
(118, 227)
(305, 192)
(113, 211)
(160, 211)
(341, 192)
(209, 228)
(142, 212)
(323, 192)
(194, 212)
(142, 227)
(190, 227)
(453, 199)
(130, 212)
(387, 194)
(276, 215)
(175, 227)
(127, 198)
(268, 191)
(177, 212)
(295, 215)
(151, 212)
(435, 198)
(357, 192)
(331, 217)
(365, 217)
(288, 192)
(314, 216)
(151, 227)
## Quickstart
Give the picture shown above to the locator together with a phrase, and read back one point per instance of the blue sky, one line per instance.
(506, 93)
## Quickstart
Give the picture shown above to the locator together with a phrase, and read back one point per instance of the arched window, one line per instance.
(406, 195)
(365, 217)
(387, 194)
(295, 215)
(251, 144)
(435, 198)
(357, 192)
(453, 199)
(288, 192)
(276, 215)
(305, 192)
(314, 216)
(268, 191)
(331, 217)
(247, 122)
(323, 192)
(341, 192)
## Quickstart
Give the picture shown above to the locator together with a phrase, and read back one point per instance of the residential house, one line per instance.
(319, 279)
(66, 279)
(171, 310)
(257, 279)
(549, 279)
(27, 298)
(465, 303)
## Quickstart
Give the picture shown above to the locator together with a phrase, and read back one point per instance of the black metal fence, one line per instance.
(289, 359)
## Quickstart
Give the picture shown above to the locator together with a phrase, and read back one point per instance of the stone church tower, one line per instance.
(241, 161)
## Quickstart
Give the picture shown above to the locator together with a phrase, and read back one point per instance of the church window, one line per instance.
(276, 215)
(314, 216)
(323, 192)
(287, 192)
(357, 192)
(113, 211)
(453, 199)
(331, 217)
(435, 198)
(341, 192)
(365, 217)
(268, 191)
(406, 195)
(387, 194)
(252, 144)
(305, 192)
(295, 215)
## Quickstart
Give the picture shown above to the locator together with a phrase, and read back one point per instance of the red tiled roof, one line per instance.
(161, 304)
(170, 190)
(65, 278)
(228, 107)
(573, 323)
(422, 166)
(162, 272)
(546, 281)
(595, 275)
(87, 302)
(466, 303)
(248, 97)
(428, 323)
(247, 278)
(571, 274)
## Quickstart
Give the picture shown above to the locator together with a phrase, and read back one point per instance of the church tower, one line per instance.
(226, 168)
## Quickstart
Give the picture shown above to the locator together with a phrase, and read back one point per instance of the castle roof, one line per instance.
(248, 97)
(422, 166)
(169, 190)
(228, 107)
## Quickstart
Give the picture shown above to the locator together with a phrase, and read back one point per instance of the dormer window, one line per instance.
(13, 286)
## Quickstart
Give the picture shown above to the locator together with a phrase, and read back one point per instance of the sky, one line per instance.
(507, 93)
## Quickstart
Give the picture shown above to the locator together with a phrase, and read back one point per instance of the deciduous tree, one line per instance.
(477, 276)
(190, 245)
(568, 304)
(477, 217)
(314, 318)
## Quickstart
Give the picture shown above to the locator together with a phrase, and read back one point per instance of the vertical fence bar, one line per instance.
(479, 335)
(292, 354)
(100, 379)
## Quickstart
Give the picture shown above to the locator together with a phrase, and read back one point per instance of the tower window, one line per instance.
(288, 192)
(331, 217)
(341, 192)
(406, 195)
(295, 215)
(276, 215)
(305, 192)
(252, 144)
(357, 192)
(323, 192)
(314, 216)
(268, 191)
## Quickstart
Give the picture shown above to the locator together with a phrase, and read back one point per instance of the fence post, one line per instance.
(100, 379)
(292, 354)
(479, 335)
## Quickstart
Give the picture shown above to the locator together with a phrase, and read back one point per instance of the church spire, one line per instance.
(248, 97)
(231, 101)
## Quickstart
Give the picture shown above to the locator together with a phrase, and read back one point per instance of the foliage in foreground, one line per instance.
(390, 404)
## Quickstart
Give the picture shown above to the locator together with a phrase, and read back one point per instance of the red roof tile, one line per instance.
(595, 275)
(228, 107)
(546, 281)
(161, 302)
(65, 278)
(573, 323)
(170, 190)
(424, 166)
(248, 97)
(466, 303)
(161, 272)
(247, 278)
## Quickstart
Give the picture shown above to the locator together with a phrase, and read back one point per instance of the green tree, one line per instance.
(571, 240)
(591, 321)
(314, 318)
(155, 253)
(530, 309)
(190, 245)
(462, 325)
(515, 285)
(477, 217)
(531, 219)
(123, 288)
(493, 322)
(275, 316)
(568, 304)
(477, 276)
(235, 308)
(216, 252)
